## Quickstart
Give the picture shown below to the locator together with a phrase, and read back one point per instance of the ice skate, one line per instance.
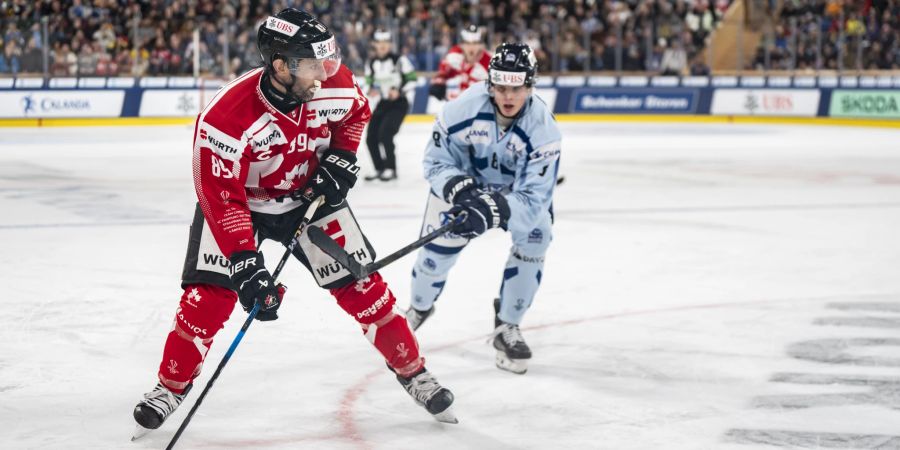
(156, 406)
(424, 388)
(416, 318)
(512, 351)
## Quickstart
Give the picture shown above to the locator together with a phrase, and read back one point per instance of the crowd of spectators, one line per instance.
(832, 35)
(156, 37)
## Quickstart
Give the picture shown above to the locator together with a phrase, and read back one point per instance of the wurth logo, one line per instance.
(215, 143)
(215, 260)
(323, 113)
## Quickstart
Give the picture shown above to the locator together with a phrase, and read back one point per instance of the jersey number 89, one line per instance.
(219, 169)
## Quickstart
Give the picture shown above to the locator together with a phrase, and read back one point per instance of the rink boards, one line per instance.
(850, 100)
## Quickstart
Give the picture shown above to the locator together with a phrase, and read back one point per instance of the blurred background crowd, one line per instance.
(166, 37)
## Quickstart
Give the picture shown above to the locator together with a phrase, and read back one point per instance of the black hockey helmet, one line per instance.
(293, 34)
(513, 65)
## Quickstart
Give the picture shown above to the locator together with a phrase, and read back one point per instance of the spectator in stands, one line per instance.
(140, 60)
(32, 57)
(159, 57)
(13, 56)
(106, 37)
(698, 67)
(674, 60)
(87, 60)
(654, 60)
(426, 29)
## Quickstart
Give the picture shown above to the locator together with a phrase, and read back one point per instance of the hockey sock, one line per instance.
(201, 313)
(521, 279)
(371, 303)
(429, 276)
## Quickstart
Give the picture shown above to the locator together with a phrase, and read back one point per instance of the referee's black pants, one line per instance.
(385, 123)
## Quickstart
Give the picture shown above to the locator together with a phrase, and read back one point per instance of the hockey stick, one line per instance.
(310, 211)
(320, 239)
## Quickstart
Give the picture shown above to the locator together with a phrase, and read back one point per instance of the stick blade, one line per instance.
(331, 248)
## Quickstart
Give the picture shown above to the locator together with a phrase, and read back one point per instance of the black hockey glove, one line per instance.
(255, 284)
(459, 188)
(438, 90)
(484, 210)
(335, 176)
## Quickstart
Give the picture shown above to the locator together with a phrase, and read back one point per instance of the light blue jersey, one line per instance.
(521, 163)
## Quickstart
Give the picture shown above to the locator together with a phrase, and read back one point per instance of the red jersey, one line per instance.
(455, 71)
(248, 156)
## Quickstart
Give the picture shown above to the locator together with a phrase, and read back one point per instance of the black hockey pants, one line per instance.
(385, 123)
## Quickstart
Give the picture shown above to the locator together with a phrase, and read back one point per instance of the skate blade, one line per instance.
(446, 416)
(139, 432)
(516, 366)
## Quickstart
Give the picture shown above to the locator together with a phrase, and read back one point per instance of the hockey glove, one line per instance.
(438, 90)
(335, 176)
(460, 187)
(484, 211)
(254, 283)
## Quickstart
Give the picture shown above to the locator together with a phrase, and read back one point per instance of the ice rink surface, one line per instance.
(708, 287)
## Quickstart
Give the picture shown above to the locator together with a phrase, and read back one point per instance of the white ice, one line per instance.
(708, 286)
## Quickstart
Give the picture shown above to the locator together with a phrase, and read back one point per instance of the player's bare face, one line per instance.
(472, 51)
(382, 49)
(308, 77)
(510, 99)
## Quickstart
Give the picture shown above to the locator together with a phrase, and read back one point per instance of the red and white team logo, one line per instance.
(172, 367)
(361, 285)
(334, 231)
(194, 297)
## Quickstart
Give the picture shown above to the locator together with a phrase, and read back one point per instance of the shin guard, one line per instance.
(202, 312)
(371, 303)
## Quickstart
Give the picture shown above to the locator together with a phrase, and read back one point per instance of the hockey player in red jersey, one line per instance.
(265, 147)
(463, 65)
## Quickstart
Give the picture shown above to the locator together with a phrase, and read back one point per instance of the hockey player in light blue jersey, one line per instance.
(493, 158)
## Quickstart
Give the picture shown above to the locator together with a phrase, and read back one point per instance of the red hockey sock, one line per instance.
(201, 313)
(371, 303)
